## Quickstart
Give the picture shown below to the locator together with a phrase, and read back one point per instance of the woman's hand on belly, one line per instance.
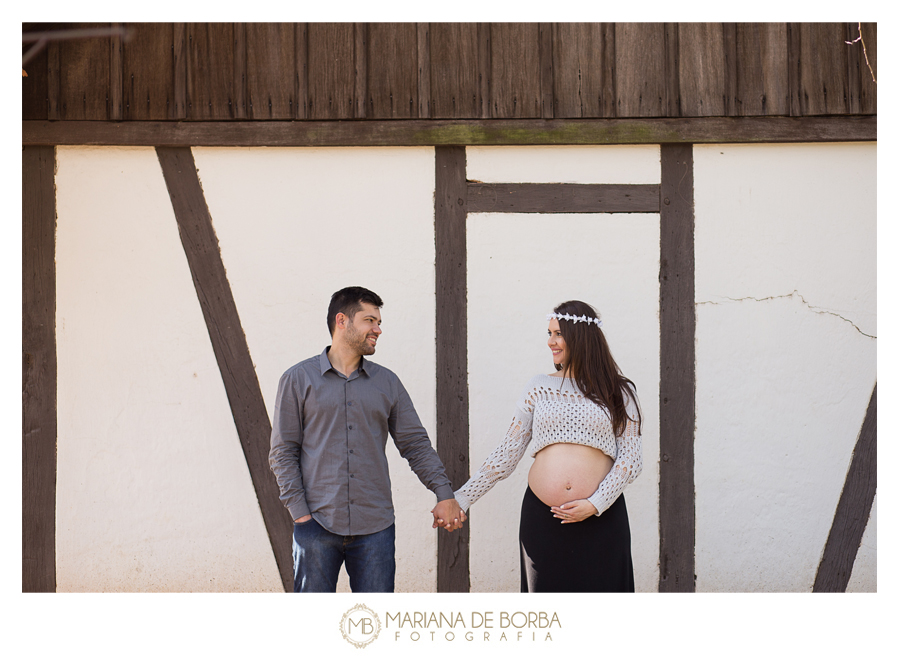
(574, 511)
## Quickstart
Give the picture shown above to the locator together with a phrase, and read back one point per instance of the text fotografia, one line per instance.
(477, 626)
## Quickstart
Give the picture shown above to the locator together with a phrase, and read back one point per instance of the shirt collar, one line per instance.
(325, 364)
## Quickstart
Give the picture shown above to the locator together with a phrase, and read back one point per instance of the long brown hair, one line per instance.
(592, 366)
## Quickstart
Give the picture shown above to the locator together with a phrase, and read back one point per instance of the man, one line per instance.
(332, 416)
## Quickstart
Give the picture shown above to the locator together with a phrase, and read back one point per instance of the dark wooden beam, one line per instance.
(229, 344)
(562, 198)
(854, 506)
(677, 386)
(452, 373)
(486, 132)
(38, 369)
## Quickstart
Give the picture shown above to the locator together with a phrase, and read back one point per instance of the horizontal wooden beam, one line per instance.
(484, 132)
(562, 198)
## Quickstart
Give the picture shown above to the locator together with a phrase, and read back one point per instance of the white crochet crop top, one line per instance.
(553, 410)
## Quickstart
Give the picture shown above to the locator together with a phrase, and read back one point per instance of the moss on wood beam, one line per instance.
(486, 132)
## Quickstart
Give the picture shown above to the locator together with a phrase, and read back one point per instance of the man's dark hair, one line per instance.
(349, 301)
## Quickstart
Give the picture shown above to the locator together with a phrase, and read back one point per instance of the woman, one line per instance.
(584, 427)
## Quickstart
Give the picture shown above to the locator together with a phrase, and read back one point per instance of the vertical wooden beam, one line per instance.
(38, 369)
(677, 319)
(853, 509)
(452, 438)
(229, 344)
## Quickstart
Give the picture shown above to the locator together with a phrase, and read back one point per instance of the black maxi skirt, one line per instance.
(593, 555)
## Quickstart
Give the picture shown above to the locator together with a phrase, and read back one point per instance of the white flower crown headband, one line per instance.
(574, 318)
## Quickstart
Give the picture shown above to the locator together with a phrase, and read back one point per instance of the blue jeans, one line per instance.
(318, 555)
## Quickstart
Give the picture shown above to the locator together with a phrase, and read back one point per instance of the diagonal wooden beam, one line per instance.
(677, 385)
(229, 344)
(452, 437)
(562, 198)
(39, 369)
(854, 506)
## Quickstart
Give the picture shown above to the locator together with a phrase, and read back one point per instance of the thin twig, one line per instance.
(865, 54)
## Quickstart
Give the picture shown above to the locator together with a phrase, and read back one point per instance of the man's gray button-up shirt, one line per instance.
(328, 438)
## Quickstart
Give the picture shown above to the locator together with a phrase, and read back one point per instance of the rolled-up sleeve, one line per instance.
(414, 446)
(285, 446)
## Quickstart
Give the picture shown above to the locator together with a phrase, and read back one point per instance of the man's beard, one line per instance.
(359, 341)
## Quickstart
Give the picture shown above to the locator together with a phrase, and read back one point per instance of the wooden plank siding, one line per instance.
(584, 70)
(149, 71)
(641, 70)
(378, 71)
(332, 71)
(515, 70)
(392, 81)
(454, 58)
(270, 71)
(761, 80)
(80, 74)
(34, 82)
(703, 67)
(210, 71)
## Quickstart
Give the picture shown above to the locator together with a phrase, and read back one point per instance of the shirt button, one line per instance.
(351, 475)
(351, 452)
(351, 427)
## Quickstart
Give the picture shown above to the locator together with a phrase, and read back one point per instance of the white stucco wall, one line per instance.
(786, 355)
(522, 265)
(153, 492)
(295, 225)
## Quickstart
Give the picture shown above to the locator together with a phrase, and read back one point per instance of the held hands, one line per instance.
(574, 511)
(448, 515)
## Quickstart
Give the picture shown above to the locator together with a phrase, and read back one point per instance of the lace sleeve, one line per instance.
(626, 467)
(501, 462)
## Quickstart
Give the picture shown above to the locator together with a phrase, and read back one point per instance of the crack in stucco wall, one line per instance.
(814, 309)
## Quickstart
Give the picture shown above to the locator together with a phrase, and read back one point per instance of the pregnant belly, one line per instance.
(563, 472)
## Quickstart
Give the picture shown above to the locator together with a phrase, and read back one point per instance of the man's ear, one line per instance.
(340, 321)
